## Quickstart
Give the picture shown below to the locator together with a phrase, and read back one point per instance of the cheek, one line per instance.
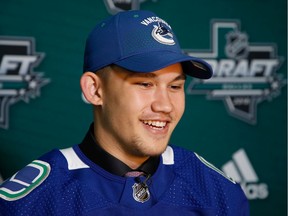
(125, 103)
(179, 104)
(135, 101)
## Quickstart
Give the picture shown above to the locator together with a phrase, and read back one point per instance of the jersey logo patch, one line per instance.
(141, 192)
(25, 181)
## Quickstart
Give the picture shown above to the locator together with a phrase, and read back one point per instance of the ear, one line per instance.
(91, 88)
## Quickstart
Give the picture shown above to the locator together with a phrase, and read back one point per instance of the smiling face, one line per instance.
(138, 112)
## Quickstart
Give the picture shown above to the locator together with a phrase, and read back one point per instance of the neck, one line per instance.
(110, 145)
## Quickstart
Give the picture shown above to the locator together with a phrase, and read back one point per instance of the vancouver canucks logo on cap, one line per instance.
(162, 34)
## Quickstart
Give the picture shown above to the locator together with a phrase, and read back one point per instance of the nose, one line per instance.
(162, 101)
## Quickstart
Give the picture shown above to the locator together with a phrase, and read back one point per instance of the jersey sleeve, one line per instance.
(30, 190)
(229, 193)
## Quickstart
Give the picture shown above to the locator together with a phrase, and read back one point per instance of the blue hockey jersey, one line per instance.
(65, 182)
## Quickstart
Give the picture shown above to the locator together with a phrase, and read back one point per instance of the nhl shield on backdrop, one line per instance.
(18, 81)
(245, 73)
(115, 6)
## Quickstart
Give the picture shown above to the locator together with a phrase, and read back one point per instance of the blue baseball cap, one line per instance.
(138, 41)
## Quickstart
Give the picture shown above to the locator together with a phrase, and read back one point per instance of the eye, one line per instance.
(145, 84)
(176, 87)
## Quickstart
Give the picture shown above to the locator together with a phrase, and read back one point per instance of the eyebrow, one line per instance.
(181, 77)
(152, 75)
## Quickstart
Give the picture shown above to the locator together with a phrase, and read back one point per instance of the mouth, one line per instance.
(157, 125)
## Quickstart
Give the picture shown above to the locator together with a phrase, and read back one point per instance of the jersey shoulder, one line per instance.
(212, 186)
(31, 176)
(185, 159)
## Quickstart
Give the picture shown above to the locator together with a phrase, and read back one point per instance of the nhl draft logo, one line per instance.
(18, 81)
(245, 74)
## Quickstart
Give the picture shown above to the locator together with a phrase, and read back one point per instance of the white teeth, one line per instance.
(155, 123)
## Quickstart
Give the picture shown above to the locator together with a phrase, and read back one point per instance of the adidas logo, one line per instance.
(242, 171)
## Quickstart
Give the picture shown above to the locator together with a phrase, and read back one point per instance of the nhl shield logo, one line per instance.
(115, 6)
(140, 192)
(237, 46)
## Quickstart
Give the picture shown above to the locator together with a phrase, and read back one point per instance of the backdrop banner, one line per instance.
(237, 120)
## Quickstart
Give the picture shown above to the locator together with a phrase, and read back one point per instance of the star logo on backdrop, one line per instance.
(18, 81)
(245, 74)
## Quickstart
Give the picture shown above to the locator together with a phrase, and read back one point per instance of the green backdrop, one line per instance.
(238, 121)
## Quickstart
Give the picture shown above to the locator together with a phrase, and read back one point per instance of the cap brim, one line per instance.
(152, 61)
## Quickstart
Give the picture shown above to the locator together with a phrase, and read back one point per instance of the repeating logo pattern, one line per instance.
(245, 74)
(18, 81)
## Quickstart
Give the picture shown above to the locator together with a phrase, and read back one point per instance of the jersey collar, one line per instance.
(99, 156)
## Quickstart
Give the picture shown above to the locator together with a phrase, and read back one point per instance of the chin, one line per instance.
(151, 147)
(157, 151)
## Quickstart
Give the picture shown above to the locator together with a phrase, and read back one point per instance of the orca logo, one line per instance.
(18, 81)
(244, 73)
(161, 34)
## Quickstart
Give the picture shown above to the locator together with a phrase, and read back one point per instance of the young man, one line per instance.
(134, 75)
